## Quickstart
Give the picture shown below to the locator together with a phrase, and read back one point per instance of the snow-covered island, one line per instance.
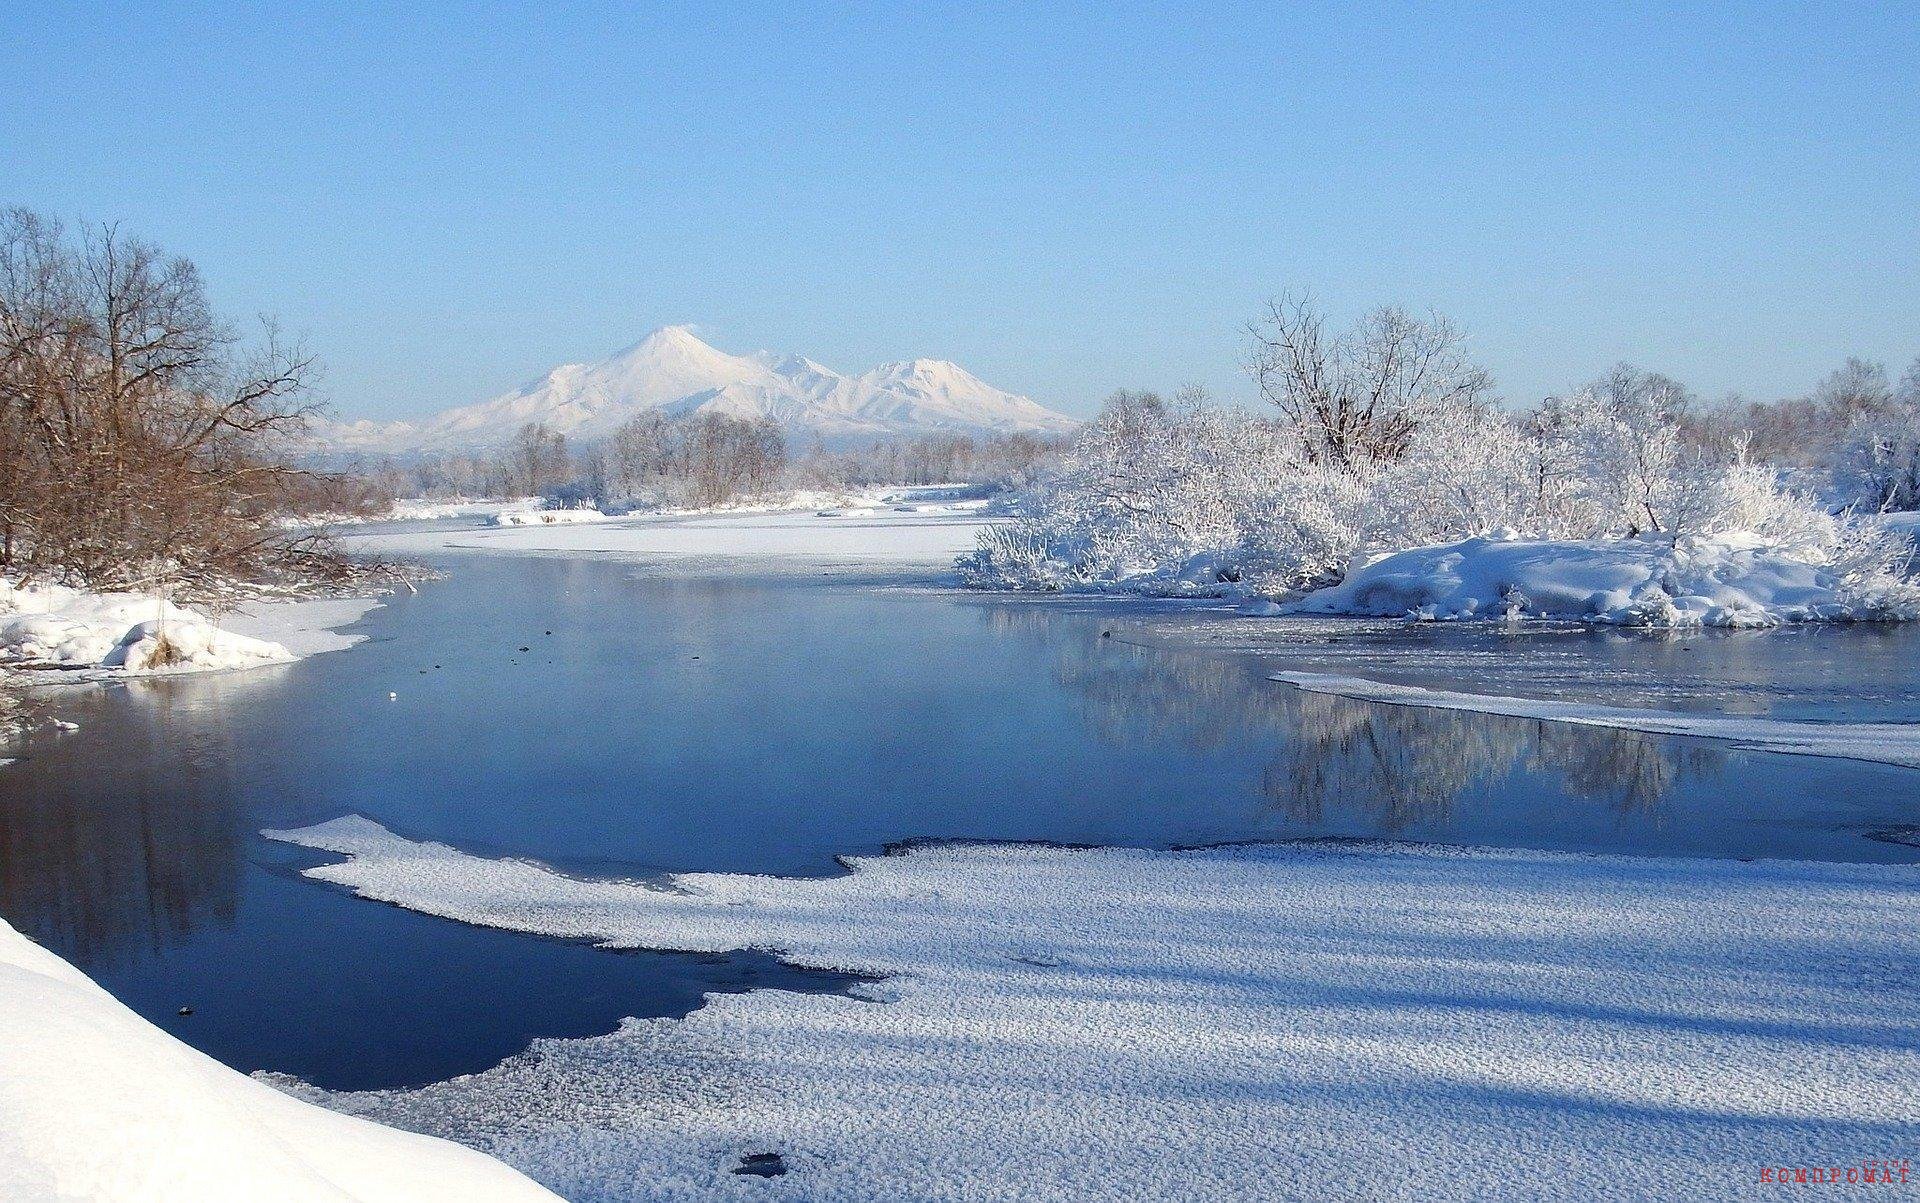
(1373, 490)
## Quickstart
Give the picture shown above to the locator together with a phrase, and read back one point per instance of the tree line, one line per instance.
(701, 460)
(1384, 434)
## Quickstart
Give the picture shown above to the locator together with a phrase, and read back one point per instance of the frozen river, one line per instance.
(611, 719)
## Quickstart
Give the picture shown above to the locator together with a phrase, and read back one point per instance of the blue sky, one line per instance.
(447, 200)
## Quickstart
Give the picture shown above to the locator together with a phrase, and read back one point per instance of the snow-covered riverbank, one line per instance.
(1066, 1023)
(52, 627)
(1722, 582)
(921, 530)
(97, 1103)
(1286, 1022)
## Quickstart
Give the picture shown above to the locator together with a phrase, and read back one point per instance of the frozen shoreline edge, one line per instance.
(1895, 744)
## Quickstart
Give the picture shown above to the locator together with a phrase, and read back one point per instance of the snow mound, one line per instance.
(1723, 581)
(52, 626)
(1282, 1022)
(98, 1104)
(546, 517)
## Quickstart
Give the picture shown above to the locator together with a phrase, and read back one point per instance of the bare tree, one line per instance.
(536, 460)
(141, 438)
(1357, 396)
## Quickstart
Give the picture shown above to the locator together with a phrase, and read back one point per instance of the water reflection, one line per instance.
(105, 859)
(1398, 767)
(617, 721)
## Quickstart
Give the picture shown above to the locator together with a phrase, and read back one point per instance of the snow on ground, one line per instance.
(1280, 1022)
(55, 627)
(546, 517)
(1725, 581)
(423, 509)
(304, 626)
(98, 1104)
(907, 532)
(52, 626)
(1882, 743)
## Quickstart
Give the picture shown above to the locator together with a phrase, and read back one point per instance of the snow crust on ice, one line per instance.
(1279, 1022)
(1726, 581)
(907, 531)
(98, 1104)
(55, 626)
(1882, 743)
(303, 626)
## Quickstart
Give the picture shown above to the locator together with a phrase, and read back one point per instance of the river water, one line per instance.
(613, 720)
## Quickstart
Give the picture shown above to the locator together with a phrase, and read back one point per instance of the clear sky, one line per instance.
(446, 201)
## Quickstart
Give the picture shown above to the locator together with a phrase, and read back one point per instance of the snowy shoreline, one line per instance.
(1315, 1008)
(97, 1103)
(51, 629)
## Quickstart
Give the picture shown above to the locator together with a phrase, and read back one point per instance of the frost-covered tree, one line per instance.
(1636, 465)
(1356, 396)
(1879, 459)
(1186, 497)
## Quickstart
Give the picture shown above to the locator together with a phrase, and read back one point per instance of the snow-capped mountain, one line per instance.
(671, 370)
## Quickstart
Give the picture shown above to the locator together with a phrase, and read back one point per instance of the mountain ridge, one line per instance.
(674, 371)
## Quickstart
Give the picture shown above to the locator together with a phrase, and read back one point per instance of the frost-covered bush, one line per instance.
(1879, 458)
(1192, 499)
(1152, 496)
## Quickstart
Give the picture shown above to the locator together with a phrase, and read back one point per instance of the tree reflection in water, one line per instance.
(1400, 767)
(126, 838)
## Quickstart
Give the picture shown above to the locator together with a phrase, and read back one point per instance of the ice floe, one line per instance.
(1277, 1022)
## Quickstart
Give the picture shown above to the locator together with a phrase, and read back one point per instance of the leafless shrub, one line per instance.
(141, 441)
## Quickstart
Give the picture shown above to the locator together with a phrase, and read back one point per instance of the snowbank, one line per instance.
(1286, 1022)
(1726, 581)
(420, 509)
(98, 1104)
(546, 517)
(51, 626)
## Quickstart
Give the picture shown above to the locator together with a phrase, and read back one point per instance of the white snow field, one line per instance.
(893, 529)
(1726, 581)
(1271, 1022)
(426, 509)
(56, 627)
(1881, 743)
(527, 517)
(98, 1104)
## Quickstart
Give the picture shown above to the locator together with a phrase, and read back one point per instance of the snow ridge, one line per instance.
(674, 372)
